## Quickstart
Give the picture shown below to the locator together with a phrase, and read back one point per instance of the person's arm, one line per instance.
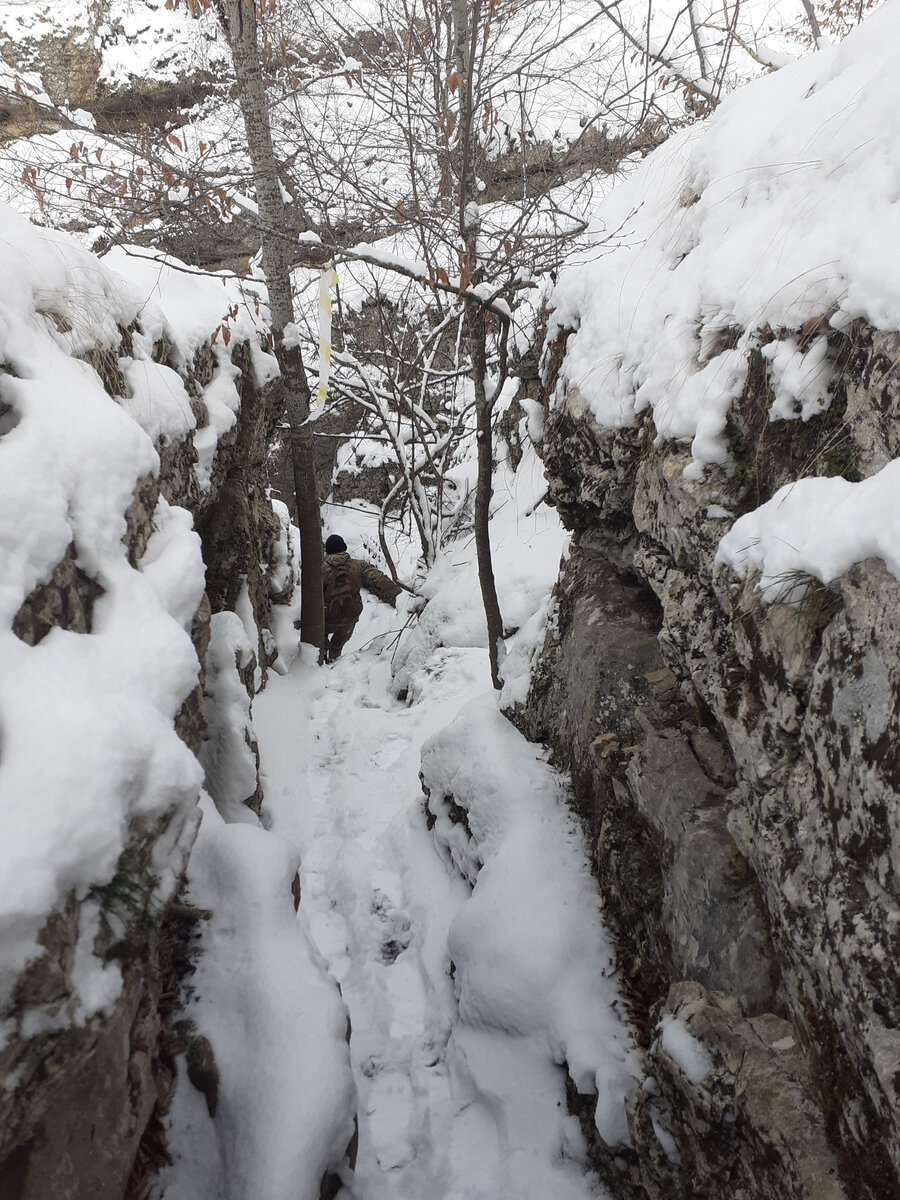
(379, 584)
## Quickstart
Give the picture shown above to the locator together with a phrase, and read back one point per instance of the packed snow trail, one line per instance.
(445, 1113)
(466, 935)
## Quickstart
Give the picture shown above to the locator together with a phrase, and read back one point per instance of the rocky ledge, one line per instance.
(736, 764)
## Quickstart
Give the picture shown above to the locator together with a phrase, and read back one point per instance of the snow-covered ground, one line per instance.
(473, 965)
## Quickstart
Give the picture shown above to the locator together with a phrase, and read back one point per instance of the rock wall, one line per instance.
(81, 1107)
(736, 764)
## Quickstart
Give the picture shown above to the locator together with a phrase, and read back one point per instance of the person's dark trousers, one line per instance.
(336, 639)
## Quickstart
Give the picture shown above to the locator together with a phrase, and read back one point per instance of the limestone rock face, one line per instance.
(70, 50)
(72, 1122)
(70, 64)
(737, 764)
(80, 1096)
(747, 1126)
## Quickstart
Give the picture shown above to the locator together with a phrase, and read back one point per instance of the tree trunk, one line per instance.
(465, 25)
(483, 492)
(813, 19)
(277, 261)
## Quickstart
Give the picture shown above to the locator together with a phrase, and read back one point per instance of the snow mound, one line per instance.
(276, 1025)
(531, 953)
(86, 719)
(780, 209)
(527, 540)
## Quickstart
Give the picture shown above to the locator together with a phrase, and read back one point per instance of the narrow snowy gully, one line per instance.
(448, 1108)
(466, 936)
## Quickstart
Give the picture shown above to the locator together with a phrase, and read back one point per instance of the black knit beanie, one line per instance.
(335, 544)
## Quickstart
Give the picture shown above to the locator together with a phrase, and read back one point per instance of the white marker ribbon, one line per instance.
(327, 281)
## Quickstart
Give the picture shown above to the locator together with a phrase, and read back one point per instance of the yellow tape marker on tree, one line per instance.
(327, 280)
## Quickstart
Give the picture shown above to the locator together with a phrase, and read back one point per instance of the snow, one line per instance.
(798, 378)
(817, 527)
(69, 462)
(362, 454)
(466, 943)
(70, 457)
(188, 308)
(690, 1056)
(780, 210)
(96, 987)
(191, 303)
(380, 255)
(276, 1025)
(532, 957)
(26, 84)
(474, 975)
(448, 1106)
(227, 757)
(707, 236)
(527, 541)
(159, 402)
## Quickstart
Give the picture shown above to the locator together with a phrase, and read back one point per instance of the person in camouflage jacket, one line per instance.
(342, 579)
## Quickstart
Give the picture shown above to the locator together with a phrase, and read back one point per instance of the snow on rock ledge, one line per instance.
(731, 362)
(103, 628)
(818, 528)
(778, 211)
(87, 721)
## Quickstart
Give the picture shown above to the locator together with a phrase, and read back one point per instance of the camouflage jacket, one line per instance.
(342, 579)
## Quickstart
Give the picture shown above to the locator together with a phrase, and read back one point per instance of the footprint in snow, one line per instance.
(396, 930)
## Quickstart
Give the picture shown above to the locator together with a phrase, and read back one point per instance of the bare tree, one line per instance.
(466, 28)
(437, 85)
(277, 259)
(421, 122)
